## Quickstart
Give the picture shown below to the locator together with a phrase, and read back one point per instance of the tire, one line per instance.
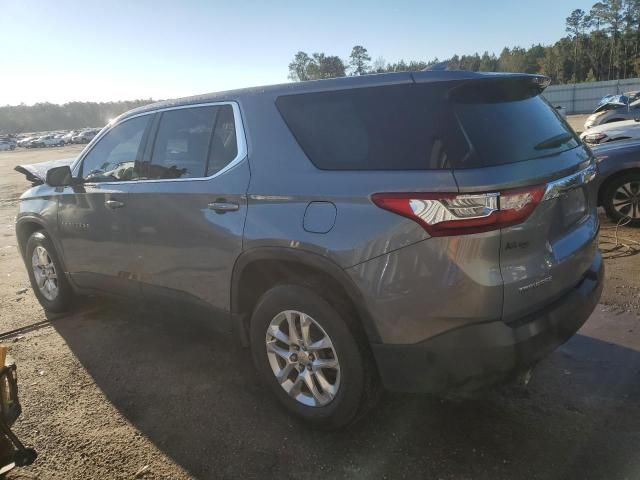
(618, 190)
(60, 299)
(353, 385)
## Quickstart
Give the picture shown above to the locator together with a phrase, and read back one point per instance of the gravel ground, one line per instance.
(115, 387)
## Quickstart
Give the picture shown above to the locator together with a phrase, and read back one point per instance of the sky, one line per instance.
(59, 51)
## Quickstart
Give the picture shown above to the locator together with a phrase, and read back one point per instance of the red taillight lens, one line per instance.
(443, 214)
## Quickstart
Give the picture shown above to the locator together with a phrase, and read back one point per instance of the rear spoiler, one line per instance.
(468, 86)
(36, 173)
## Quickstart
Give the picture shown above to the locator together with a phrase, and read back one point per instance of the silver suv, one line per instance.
(428, 231)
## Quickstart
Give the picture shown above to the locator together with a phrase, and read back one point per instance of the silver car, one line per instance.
(613, 112)
(356, 233)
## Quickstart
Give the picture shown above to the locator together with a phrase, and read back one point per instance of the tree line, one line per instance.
(601, 44)
(73, 115)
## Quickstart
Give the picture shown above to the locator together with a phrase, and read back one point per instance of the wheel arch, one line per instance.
(27, 225)
(256, 270)
(611, 178)
(25, 228)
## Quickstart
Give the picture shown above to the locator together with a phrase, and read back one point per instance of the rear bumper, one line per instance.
(474, 356)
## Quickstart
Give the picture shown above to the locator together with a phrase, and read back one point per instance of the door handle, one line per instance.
(113, 204)
(223, 207)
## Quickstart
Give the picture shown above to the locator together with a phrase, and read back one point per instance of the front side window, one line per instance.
(113, 157)
(182, 142)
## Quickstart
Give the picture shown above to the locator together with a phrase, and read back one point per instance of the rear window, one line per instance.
(506, 125)
(420, 127)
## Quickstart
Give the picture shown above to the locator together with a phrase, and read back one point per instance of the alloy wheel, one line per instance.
(626, 200)
(303, 358)
(44, 272)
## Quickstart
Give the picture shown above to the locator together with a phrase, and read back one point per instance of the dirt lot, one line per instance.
(115, 387)
(577, 122)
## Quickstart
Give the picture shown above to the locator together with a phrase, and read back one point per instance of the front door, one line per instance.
(93, 217)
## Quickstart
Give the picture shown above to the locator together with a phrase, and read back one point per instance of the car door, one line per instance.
(92, 217)
(188, 211)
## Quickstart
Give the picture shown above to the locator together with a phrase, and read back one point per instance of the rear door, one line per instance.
(520, 145)
(188, 209)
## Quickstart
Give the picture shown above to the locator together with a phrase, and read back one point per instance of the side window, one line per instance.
(113, 157)
(224, 146)
(182, 142)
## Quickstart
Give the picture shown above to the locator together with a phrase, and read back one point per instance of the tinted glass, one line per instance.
(224, 145)
(182, 143)
(504, 127)
(411, 127)
(404, 127)
(113, 157)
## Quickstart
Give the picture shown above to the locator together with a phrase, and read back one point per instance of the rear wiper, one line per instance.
(554, 142)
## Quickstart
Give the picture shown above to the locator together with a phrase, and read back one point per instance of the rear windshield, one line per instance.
(420, 127)
(507, 125)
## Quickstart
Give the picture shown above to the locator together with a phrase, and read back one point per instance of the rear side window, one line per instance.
(192, 143)
(403, 127)
(182, 143)
(224, 144)
(421, 127)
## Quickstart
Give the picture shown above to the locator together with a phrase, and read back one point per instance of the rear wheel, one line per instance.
(47, 277)
(313, 362)
(621, 199)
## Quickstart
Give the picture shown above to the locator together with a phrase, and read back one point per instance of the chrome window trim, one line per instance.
(241, 142)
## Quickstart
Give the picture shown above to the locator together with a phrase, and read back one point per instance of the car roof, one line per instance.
(340, 83)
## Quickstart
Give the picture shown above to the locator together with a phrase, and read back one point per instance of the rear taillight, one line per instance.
(443, 214)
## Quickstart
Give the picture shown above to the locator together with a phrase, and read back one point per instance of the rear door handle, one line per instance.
(223, 207)
(113, 204)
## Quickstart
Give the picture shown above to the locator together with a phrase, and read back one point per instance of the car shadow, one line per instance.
(194, 393)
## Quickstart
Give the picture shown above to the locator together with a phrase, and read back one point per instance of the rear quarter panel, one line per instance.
(284, 182)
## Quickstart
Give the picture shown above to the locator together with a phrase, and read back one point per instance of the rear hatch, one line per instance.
(521, 148)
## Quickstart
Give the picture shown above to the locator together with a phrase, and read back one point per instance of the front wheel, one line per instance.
(621, 199)
(317, 366)
(48, 280)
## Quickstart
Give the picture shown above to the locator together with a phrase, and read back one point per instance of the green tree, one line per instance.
(314, 67)
(299, 66)
(575, 25)
(359, 60)
(488, 63)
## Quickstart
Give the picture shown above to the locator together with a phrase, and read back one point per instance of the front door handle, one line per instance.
(113, 204)
(223, 207)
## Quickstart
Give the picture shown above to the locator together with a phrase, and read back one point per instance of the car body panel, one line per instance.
(407, 287)
(182, 247)
(616, 131)
(613, 112)
(616, 158)
(95, 239)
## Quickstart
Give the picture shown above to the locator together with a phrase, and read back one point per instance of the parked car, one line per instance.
(615, 111)
(7, 145)
(348, 229)
(619, 180)
(85, 136)
(46, 141)
(625, 98)
(611, 132)
(68, 137)
(25, 142)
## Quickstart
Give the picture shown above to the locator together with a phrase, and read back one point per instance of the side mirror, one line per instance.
(59, 177)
